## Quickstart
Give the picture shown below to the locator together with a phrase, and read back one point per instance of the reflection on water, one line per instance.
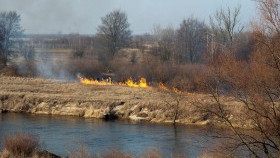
(60, 134)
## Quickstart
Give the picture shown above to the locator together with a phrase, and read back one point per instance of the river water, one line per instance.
(61, 134)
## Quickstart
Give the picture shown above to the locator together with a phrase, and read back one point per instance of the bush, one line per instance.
(81, 152)
(21, 144)
(151, 154)
(115, 154)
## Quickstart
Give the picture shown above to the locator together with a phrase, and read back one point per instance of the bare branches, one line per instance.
(226, 23)
(176, 103)
(270, 13)
(9, 28)
(190, 40)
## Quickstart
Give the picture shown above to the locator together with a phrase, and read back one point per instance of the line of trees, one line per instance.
(190, 43)
(193, 42)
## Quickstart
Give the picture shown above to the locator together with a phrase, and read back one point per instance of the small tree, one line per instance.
(175, 104)
(114, 32)
(9, 28)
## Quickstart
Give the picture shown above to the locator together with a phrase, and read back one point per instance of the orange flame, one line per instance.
(95, 82)
(142, 83)
(176, 90)
(163, 87)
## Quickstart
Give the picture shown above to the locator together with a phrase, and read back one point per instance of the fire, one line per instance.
(176, 90)
(95, 82)
(130, 83)
(162, 86)
(142, 83)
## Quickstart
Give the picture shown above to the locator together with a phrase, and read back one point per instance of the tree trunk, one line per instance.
(3, 60)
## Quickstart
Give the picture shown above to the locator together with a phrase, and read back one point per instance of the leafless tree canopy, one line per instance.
(191, 40)
(9, 28)
(114, 31)
(270, 12)
(225, 24)
(165, 39)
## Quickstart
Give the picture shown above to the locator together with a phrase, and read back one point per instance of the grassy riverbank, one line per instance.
(41, 96)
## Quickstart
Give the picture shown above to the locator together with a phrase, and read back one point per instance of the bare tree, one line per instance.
(225, 24)
(165, 39)
(175, 103)
(9, 28)
(190, 39)
(270, 14)
(114, 32)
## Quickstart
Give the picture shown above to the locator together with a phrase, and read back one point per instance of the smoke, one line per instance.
(45, 62)
(52, 66)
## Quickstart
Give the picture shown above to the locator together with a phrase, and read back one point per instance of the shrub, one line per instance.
(151, 154)
(81, 152)
(115, 154)
(21, 144)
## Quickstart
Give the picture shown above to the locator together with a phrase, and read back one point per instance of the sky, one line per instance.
(83, 16)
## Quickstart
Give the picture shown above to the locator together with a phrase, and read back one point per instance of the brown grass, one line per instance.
(21, 144)
(151, 154)
(115, 154)
(81, 152)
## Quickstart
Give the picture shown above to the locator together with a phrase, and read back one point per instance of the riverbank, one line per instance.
(49, 97)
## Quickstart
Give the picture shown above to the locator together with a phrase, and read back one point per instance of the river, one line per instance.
(60, 134)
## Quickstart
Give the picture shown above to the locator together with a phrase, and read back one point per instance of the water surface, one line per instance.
(60, 134)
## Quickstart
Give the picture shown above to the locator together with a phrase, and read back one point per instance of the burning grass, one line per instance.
(142, 83)
(103, 82)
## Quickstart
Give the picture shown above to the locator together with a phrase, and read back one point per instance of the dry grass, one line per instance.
(115, 154)
(81, 152)
(21, 144)
(151, 154)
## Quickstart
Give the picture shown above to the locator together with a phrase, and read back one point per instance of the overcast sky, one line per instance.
(83, 16)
